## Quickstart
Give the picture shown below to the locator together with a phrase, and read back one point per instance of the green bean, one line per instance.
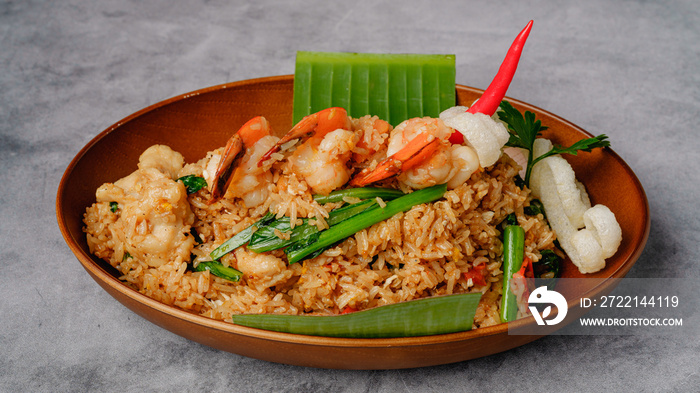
(513, 253)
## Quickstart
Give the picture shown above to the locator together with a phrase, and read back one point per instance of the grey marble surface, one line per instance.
(69, 69)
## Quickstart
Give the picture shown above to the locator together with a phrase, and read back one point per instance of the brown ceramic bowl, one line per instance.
(200, 121)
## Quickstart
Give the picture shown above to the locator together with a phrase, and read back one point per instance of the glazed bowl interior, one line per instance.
(198, 122)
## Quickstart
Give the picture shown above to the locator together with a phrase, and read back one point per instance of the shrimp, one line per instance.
(323, 167)
(235, 173)
(321, 159)
(483, 135)
(421, 155)
(317, 125)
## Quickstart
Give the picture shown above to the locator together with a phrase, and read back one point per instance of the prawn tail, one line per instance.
(386, 169)
(233, 152)
(418, 150)
(319, 124)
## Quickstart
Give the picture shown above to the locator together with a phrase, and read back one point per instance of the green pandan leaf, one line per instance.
(423, 317)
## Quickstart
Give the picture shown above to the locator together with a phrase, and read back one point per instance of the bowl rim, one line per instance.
(97, 272)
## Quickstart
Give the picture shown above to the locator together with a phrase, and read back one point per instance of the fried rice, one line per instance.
(425, 251)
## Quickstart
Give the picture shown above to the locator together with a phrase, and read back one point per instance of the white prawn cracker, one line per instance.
(573, 197)
(604, 227)
(587, 234)
(585, 247)
(484, 134)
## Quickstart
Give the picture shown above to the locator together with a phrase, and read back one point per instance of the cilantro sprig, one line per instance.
(525, 129)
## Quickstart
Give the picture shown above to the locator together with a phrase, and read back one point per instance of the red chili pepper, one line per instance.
(526, 271)
(476, 274)
(348, 310)
(493, 95)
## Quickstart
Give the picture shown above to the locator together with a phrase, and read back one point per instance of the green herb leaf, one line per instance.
(193, 183)
(422, 317)
(510, 219)
(587, 144)
(240, 238)
(308, 241)
(219, 270)
(550, 264)
(113, 206)
(265, 238)
(536, 207)
(519, 182)
(525, 129)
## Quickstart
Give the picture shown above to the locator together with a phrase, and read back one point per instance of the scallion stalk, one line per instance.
(361, 221)
(386, 194)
